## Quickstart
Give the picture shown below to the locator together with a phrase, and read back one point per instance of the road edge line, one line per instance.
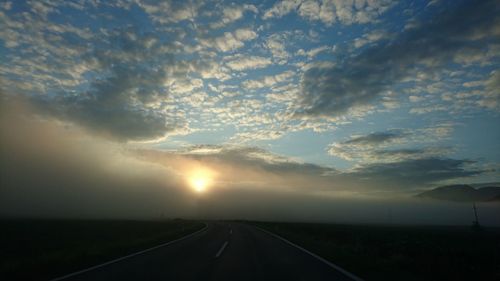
(129, 256)
(345, 272)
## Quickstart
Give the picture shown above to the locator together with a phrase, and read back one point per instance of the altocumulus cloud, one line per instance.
(333, 91)
(131, 69)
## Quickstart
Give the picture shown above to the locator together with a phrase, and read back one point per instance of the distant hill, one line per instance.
(462, 193)
(484, 184)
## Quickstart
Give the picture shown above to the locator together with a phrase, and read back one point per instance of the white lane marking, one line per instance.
(129, 256)
(230, 231)
(345, 272)
(221, 249)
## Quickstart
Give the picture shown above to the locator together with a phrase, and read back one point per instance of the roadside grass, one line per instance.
(45, 249)
(407, 253)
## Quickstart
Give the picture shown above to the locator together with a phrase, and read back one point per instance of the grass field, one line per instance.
(45, 249)
(401, 252)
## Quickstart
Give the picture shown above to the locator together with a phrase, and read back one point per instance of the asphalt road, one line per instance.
(224, 251)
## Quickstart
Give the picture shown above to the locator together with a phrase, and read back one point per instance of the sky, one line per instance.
(343, 99)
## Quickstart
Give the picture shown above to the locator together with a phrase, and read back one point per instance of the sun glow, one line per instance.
(200, 179)
(199, 184)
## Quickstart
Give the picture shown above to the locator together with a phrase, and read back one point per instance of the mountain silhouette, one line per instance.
(462, 193)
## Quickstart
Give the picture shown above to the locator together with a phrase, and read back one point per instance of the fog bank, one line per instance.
(51, 169)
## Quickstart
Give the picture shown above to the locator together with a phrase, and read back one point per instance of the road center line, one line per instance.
(230, 231)
(221, 249)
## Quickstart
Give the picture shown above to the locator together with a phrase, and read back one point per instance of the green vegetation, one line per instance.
(401, 252)
(45, 249)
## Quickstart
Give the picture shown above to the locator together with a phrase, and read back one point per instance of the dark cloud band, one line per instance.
(334, 90)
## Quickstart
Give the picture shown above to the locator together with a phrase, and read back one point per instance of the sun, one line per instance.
(200, 179)
(199, 184)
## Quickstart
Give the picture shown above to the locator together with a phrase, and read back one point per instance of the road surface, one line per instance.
(223, 251)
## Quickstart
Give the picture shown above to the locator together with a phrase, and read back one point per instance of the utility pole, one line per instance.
(475, 223)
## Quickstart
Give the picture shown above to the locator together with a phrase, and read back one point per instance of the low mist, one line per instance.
(51, 169)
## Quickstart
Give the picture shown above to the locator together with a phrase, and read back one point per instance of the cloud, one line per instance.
(403, 154)
(261, 168)
(358, 147)
(414, 172)
(309, 9)
(490, 97)
(268, 81)
(233, 13)
(376, 138)
(258, 134)
(230, 40)
(254, 157)
(241, 62)
(210, 68)
(415, 98)
(281, 8)
(184, 86)
(275, 43)
(171, 11)
(372, 36)
(6, 5)
(239, 167)
(470, 56)
(374, 147)
(42, 9)
(427, 109)
(334, 91)
(482, 93)
(131, 75)
(353, 12)
(330, 11)
(315, 51)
